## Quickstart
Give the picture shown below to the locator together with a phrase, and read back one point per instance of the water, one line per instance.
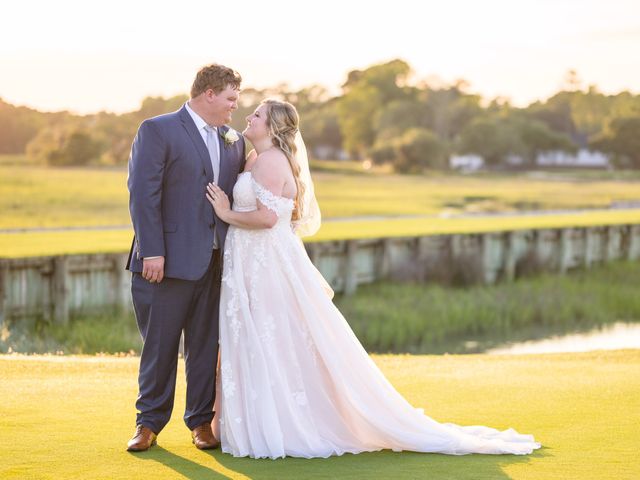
(610, 337)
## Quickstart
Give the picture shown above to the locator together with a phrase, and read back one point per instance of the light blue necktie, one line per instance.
(212, 146)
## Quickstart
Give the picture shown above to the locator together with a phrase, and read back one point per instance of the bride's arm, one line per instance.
(256, 219)
(269, 174)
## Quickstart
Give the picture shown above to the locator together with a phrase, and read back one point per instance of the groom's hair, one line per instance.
(215, 77)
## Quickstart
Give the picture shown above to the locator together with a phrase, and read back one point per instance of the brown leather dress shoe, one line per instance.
(142, 439)
(203, 437)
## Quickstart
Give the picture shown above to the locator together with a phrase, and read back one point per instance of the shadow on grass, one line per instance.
(184, 466)
(383, 465)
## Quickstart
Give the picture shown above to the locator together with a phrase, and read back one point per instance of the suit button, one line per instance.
(211, 225)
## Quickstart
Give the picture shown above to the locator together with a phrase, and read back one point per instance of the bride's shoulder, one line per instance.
(272, 159)
(272, 155)
(269, 169)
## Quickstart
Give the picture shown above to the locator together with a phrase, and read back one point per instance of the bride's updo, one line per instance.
(282, 122)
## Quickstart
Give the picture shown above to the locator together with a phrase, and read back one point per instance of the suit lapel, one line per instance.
(198, 142)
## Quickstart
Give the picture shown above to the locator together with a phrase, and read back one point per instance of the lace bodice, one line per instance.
(247, 191)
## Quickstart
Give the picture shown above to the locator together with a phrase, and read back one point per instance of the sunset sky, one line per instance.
(87, 56)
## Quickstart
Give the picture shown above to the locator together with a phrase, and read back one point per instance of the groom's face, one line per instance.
(222, 105)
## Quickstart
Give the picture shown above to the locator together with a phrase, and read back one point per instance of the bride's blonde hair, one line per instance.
(283, 122)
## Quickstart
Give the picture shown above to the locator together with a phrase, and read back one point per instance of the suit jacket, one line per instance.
(169, 169)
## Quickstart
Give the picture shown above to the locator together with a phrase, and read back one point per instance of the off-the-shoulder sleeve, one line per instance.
(278, 205)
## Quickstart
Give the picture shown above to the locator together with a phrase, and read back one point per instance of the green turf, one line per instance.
(70, 417)
(30, 244)
(35, 196)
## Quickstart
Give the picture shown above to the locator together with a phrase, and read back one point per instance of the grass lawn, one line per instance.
(30, 244)
(33, 196)
(70, 417)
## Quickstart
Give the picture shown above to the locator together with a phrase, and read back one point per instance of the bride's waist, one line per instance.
(281, 225)
(282, 219)
(238, 208)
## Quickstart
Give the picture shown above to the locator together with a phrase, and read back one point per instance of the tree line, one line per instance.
(379, 115)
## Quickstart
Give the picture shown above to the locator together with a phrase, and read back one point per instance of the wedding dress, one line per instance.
(295, 380)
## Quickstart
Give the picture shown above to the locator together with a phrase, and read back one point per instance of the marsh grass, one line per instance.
(427, 318)
(82, 335)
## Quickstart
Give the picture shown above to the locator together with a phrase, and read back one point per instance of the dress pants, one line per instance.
(163, 311)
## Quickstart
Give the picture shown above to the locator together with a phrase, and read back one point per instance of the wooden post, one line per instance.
(633, 248)
(606, 244)
(564, 249)
(60, 289)
(509, 256)
(120, 283)
(488, 276)
(384, 265)
(588, 247)
(351, 270)
(535, 247)
(4, 291)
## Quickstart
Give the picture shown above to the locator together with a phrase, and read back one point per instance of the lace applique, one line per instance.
(279, 205)
(232, 306)
(259, 260)
(308, 342)
(266, 336)
(300, 398)
(228, 385)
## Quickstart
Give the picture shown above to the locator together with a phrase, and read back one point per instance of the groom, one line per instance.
(175, 258)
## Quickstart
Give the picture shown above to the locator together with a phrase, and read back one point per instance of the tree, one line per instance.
(154, 106)
(397, 117)
(320, 128)
(18, 126)
(448, 110)
(355, 113)
(365, 94)
(418, 149)
(496, 137)
(556, 113)
(63, 146)
(623, 140)
(536, 137)
(384, 151)
(489, 137)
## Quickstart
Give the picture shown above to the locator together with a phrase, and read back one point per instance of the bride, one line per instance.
(295, 380)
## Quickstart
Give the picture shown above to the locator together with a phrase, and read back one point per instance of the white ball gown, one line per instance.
(295, 381)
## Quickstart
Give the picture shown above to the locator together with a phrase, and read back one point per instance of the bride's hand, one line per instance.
(218, 199)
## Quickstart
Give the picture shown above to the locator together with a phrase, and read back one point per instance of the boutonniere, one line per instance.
(230, 137)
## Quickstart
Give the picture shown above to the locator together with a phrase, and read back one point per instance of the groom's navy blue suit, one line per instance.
(169, 169)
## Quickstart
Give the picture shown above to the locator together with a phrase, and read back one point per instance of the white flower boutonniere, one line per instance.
(230, 137)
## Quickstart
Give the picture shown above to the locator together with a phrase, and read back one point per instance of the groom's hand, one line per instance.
(153, 269)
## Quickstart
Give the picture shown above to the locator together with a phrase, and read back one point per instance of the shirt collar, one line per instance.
(197, 119)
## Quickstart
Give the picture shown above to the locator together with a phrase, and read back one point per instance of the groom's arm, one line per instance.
(146, 170)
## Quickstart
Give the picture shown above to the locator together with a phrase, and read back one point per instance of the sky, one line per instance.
(86, 56)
